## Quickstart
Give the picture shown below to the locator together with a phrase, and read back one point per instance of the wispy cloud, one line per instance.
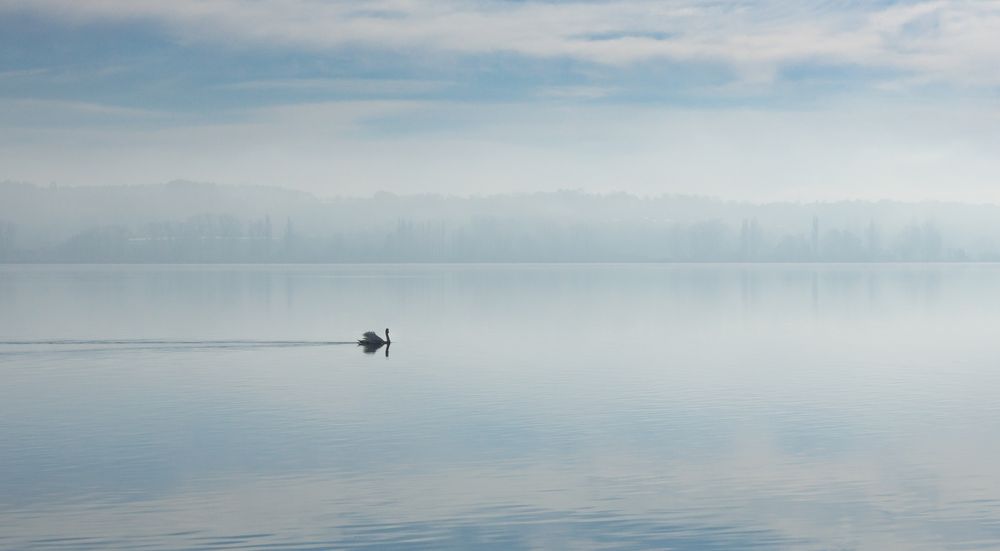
(23, 73)
(577, 92)
(358, 86)
(68, 112)
(939, 40)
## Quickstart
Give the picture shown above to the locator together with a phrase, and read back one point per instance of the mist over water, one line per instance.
(186, 222)
(706, 406)
(658, 274)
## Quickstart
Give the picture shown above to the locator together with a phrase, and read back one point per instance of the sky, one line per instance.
(752, 100)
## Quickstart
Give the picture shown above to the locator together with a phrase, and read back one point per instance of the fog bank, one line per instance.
(193, 222)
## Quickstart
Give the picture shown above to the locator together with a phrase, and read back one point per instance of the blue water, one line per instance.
(519, 407)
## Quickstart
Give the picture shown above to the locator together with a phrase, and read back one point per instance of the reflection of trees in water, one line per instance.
(206, 238)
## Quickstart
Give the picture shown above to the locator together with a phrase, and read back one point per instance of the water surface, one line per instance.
(520, 406)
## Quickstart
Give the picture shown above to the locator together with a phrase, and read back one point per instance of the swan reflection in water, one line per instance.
(371, 341)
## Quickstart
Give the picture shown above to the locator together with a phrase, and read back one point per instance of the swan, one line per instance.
(372, 338)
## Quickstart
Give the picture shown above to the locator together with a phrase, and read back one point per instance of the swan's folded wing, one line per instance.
(371, 336)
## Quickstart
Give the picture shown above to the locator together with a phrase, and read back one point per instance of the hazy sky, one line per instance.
(742, 99)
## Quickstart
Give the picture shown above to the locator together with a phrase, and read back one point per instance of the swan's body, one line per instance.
(372, 338)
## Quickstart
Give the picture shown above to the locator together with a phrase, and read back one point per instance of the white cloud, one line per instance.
(951, 41)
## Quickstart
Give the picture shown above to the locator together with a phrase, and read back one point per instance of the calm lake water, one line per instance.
(520, 406)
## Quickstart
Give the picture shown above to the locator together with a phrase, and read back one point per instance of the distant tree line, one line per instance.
(201, 223)
(225, 238)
